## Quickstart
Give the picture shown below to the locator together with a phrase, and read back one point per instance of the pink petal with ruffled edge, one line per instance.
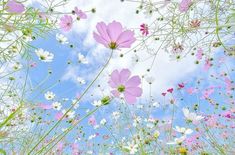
(114, 30)
(125, 39)
(114, 79)
(14, 7)
(133, 82)
(134, 91)
(124, 75)
(129, 98)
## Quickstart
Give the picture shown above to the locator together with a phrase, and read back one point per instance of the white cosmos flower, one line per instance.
(81, 80)
(56, 105)
(131, 147)
(92, 136)
(116, 115)
(97, 103)
(44, 56)
(177, 140)
(61, 39)
(190, 116)
(49, 95)
(183, 130)
(156, 104)
(103, 121)
(149, 79)
(137, 120)
(16, 66)
(82, 59)
(135, 59)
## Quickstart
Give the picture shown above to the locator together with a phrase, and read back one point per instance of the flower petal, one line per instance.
(126, 39)
(129, 98)
(124, 75)
(114, 30)
(114, 79)
(102, 29)
(134, 91)
(133, 82)
(115, 93)
(100, 39)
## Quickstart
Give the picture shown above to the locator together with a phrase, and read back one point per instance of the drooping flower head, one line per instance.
(80, 14)
(113, 35)
(14, 7)
(66, 23)
(122, 83)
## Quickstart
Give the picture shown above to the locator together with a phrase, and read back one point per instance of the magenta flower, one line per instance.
(80, 14)
(122, 83)
(113, 36)
(184, 5)
(14, 7)
(66, 23)
(144, 29)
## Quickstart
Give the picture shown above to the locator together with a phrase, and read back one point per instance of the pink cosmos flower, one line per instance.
(122, 83)
(191, 90)
(184, 5)
(80, 14)
(207, 65)
(14, 7)
(66, 23)
(144, 29)
(199, 54)
(113, 35)
(33, 64)
(75, 150)
(92, 120)
(207, 93)
(60, 147)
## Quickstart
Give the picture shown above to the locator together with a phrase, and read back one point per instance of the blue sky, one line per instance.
(167, 73)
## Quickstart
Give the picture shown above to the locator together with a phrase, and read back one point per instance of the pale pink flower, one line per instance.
(207, 65)
(113, 35)
(80, 14)
(199, 54)
(207, 93)
(60, 148)
(13, 6)
(42, 15)
(75, 150)
(191, 90)
(66, 23)
(122, 83)
(92, 120)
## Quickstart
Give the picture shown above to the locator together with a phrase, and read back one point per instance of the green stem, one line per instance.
(58, 122)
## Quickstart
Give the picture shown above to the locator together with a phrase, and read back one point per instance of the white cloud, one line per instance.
(166, 72)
